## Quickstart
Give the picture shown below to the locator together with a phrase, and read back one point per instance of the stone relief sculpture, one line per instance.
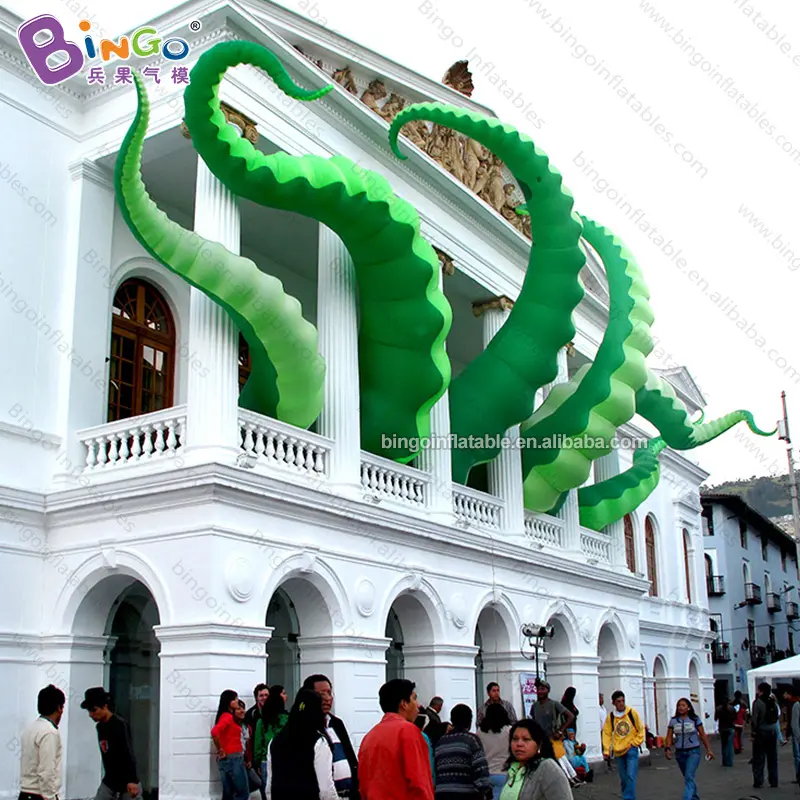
(346, 79)
(459, 77)
(375, 91)
(392, 107)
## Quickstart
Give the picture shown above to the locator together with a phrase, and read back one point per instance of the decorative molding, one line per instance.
(84, 169)
(239, 578)
(308, 562)
(446, 261)
(501, 303)
(247, 126)
(365, 597)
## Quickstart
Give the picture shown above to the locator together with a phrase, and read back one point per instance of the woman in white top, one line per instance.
(494, 735)
(300, 757)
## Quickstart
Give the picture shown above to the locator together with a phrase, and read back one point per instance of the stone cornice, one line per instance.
(91, 171)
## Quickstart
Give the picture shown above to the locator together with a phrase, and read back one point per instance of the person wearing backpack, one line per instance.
(763, 717)
(623, 736)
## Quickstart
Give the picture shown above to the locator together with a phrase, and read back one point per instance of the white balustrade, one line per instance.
(135, 440)
(596, 546)
(274, 443)
(385, 479)
(477, 508)
(544, 530)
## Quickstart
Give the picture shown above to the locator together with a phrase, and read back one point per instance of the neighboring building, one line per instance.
(752, 584)
(151, 549)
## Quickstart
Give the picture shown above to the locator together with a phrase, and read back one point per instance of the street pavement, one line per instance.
(662, 780)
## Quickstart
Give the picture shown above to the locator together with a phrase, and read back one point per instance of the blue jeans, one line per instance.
(796, 754)
(628, 768)
(498, 782)
(689, 760)
(233, 774)
(726, 740)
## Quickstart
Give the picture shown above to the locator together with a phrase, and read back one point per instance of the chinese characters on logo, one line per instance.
(123, 74)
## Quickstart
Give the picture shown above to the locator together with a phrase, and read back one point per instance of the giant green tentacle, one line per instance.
(599, 398)
(288, 372)
(610, 500)
(497, 389)
(404, 316)
(657, 402)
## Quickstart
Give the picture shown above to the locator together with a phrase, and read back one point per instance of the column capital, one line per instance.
(212, 638)
(344, 648)
(84, 169)
(247, 126)
(500, 302)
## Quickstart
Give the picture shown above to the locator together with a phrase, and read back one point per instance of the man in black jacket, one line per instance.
(113, 735)
(345, 763)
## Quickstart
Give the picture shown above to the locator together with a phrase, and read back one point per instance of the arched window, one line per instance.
(746, 573)
(650, 554)
(709, 567)
(630, 544)
(687, 571)
(767, 584)
(142, 351)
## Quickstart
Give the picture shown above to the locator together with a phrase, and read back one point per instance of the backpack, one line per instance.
(771, 713)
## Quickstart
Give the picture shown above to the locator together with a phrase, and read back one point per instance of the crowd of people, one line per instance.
(412, 754)
(305, 752)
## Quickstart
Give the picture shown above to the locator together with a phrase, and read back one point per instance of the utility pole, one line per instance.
(783, 433)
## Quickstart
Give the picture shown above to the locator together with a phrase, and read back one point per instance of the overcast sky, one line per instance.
(684, 117)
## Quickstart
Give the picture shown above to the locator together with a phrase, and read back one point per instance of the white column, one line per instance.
(337, 322)
(356, 666)
(447, 670)
(81, 295)
(198, 662)
(605, 468)
(213, 392)
(505, 471)
(438, 460)
(505, 668)
(582, 673)
(569, 510)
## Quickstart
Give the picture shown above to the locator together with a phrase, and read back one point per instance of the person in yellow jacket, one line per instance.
(623, 736)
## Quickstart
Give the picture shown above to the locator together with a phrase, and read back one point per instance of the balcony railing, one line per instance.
(276, 444)
(716, 585)
(752, 594)
(792, 610)
(387, 480)
(596, 546)
(472, 507)
(758, 656)
(544, 531)
(773, 602)
(157, 436)
(720, 652)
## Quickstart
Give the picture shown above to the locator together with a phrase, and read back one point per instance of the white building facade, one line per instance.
(189, 546)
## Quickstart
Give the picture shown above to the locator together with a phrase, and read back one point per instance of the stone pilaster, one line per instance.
(198, 662)
(505, 471)
(438, 460)
(580, 672)
(605, 468)
(213, 390)
(337, 323)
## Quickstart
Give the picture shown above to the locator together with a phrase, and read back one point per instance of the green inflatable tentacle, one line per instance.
(404, 316)
(497, 389)
(282, 343)
(600, 397)
(657, 402)
(610, 500)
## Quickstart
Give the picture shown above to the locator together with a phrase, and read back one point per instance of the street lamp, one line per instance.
(535, 635)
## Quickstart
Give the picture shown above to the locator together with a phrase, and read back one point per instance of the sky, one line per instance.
(675, 124)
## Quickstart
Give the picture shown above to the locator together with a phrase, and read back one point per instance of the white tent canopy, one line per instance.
(788, 669)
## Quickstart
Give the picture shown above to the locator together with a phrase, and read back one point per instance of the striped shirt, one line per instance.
(342, 776)
(461, 766)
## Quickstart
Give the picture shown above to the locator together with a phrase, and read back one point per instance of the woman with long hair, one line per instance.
(532, 772)
(227, 737)
(270, 723)
(494, 733)
(686, 732)
(568, 701)
(300, 757)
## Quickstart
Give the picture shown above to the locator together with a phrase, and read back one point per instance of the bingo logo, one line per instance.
(143, 43)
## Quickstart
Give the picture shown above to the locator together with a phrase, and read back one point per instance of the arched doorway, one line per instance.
(283, 649)
(555, 657)
(117, 616)
(660, 699)
(493, 661)
(395, 665)
(695, 693)
(608, 670)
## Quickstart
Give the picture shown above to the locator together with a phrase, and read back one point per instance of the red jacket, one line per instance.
(393, 762)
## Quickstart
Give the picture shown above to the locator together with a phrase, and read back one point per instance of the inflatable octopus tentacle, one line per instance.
(610, 500)
(292, 388)
(657, 402)
(404, 316)
(497, 389)
(600, 397)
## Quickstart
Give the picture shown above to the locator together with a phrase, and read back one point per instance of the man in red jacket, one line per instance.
(393, 758)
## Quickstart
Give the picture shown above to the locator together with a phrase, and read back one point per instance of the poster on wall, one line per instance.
(527, 682)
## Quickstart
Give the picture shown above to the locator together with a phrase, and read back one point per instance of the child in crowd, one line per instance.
(581, 765)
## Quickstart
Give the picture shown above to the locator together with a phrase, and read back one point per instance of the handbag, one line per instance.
(253, 779)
